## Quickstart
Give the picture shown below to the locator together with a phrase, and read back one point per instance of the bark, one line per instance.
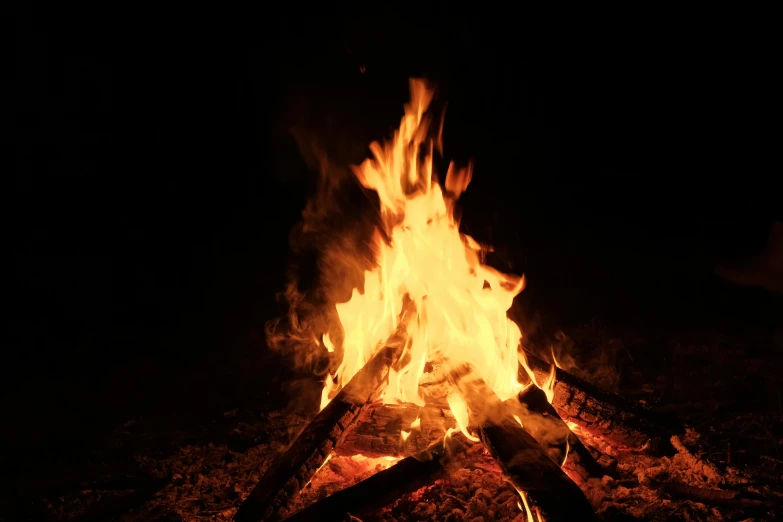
(603, 413)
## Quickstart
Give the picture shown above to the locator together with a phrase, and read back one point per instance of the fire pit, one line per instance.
(431, 376)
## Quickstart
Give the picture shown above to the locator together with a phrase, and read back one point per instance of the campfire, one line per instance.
(430, 375)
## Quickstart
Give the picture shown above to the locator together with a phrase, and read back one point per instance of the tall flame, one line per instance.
(461, 304)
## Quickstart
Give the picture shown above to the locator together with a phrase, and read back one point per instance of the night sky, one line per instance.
(157, 179)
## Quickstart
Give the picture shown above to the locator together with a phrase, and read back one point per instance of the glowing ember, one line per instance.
(461, 304)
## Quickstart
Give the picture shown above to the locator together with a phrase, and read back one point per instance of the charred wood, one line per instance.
(542, 421)
(294, 468)
(297, 465)
(377, 431)
(521, 458)
(603, 413)
(385, 487)
(716, 497)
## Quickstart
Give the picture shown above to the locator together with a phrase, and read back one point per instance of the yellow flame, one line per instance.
(328, 343)
(330, 384)
(548, 386)
(516, 418)
(405, 435)
(447, 436)
(416, 423)
(460, 409)
(527, 506)
(565, 458)
(461, 304)
(554, 359)
(327, 459)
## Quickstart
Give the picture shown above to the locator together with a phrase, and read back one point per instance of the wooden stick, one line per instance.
(603, 413)
(385, 487)
(715, 497)
(520, 457)
(541, 420)
(294, 468)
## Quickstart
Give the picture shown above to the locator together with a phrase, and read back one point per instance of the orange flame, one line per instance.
(461, 304)
(527, 509)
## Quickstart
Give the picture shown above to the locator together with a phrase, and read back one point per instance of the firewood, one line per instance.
(715, 497)
(294, 468)
(385, 487)
(521, 458)
(602, 413)
(377, 431)
(542, 421)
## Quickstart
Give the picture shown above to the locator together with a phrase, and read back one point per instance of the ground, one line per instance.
(169, 468)
(186, 438)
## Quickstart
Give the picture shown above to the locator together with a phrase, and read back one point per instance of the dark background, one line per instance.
(157, 181)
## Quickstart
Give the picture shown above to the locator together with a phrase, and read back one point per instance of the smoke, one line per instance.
(336, 239)
(331, 246)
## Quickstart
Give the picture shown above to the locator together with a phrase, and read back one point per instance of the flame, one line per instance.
(460, 409)
(327, 459)
(526, 509)
(328, 343)
(548, 386)
(565, 458)
(461, 304)
(447, 436)
(554, 359)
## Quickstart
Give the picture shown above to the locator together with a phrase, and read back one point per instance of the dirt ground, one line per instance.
(201, 467)
(185, 435)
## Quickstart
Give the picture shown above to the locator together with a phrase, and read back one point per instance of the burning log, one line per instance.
(521, 458)
(383, 488)
(602, 413)
(294, 468)
(541, 420)
(381, 429)
(378, 431)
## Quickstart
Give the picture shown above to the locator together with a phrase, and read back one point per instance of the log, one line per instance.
(715, 497)
(377, 433)
(521, 458)
(542, 421)
(385, 487)
(294, 468)
(377, 430)
(602, 413)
